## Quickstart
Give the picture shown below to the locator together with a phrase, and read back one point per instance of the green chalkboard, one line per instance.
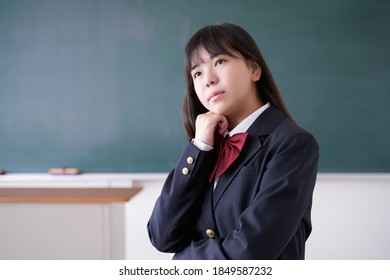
(98, 84)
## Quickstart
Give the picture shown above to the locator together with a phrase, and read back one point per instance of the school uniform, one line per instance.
(260, 207)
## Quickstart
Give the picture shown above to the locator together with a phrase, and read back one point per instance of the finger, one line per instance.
(223, 125)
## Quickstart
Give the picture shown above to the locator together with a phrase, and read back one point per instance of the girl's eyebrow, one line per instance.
(212, 55)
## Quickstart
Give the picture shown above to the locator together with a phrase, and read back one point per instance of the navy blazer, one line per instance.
(260, 208)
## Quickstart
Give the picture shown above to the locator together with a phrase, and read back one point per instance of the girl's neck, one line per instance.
(247, 111)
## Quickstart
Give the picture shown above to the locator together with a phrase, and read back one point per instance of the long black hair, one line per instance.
(225, 38)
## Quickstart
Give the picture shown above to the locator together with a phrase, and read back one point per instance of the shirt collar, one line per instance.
(248, 121)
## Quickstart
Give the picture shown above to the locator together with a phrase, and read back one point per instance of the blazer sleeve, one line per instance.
(170, 226)
(278, 210)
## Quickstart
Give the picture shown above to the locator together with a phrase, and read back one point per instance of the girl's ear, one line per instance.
(256, 70)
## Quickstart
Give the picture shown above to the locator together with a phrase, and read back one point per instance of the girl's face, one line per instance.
(226, 84)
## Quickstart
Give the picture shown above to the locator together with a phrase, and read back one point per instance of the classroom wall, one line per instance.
(350, 221)
(351, 217)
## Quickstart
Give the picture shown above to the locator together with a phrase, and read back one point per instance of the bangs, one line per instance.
(212, 39)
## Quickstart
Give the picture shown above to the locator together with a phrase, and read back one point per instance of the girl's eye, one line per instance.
(196, 75)
(219, 61)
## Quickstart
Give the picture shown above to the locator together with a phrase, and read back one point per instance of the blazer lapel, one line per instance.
(251, 147)
(262, 126)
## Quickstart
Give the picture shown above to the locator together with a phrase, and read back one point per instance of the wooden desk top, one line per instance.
(67, 195)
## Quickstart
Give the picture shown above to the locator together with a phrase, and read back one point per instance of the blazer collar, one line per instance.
(266, 122)
(261, 128)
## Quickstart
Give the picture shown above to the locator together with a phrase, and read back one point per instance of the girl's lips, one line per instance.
(216, 95)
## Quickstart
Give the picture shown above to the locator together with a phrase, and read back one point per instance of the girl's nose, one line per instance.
(211, 79)
(210, 83)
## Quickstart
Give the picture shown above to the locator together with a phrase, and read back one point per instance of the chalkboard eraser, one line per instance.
(64, 171)
(2, 172)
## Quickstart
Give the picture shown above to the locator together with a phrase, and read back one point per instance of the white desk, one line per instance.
(44, 219)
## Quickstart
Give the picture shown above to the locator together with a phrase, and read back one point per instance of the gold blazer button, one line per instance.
(210, 233)
(185, 170)
(190, 160)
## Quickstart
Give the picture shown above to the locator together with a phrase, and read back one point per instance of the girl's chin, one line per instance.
(218, 111)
